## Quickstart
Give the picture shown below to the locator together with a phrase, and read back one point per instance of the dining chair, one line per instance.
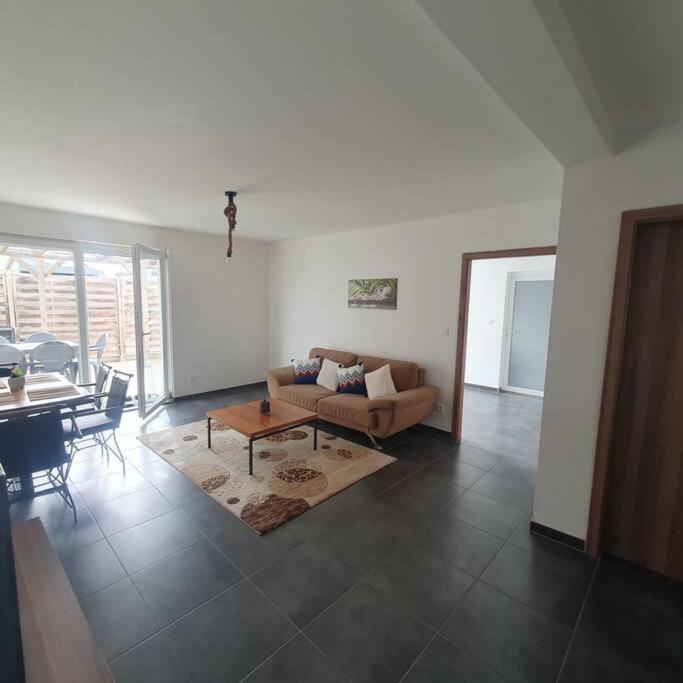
(41, 337)
(35, 444)
(10, 355)
(98, 388)
(98, 427)
(52, 356)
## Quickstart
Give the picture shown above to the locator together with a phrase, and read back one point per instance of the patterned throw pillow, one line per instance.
(306, 371)
(352, 380)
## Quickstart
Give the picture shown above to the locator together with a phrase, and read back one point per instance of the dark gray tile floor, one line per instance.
(424, 571)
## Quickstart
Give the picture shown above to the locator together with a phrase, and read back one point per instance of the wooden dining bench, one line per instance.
(57, 642)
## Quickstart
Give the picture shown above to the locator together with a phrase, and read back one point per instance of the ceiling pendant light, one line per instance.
(230, 212)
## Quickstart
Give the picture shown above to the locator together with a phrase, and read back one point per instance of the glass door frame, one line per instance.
(78, 250)
(512, 279)
(141, 252)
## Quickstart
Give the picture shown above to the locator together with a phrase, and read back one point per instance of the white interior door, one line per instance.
(527, 327)
(149, 288)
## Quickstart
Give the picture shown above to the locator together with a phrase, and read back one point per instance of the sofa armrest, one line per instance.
(279, 377)
(380, 403)
(410, 396)
(404, 398)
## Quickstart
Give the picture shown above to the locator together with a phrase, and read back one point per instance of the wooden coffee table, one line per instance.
(248, 420)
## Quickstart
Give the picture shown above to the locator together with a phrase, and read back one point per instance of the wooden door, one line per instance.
(643, 507)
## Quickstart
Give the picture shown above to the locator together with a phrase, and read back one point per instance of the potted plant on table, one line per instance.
(16, 379)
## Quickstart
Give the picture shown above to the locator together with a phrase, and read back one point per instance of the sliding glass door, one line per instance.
(102, 303)
(149, 285)
(109, 301)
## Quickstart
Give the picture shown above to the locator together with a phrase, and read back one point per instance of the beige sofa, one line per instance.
(380, 417)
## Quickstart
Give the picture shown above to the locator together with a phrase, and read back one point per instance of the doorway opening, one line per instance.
(503, 326)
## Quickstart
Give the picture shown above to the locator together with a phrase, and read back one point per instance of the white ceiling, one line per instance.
(512, 48)
(634, 51)
(325, 115)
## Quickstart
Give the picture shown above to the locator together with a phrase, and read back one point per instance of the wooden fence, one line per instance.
(30, 308)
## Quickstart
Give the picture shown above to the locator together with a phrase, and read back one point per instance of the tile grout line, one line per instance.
(129, 576)
(462, 597)
(130, 580)
(563, 663)
(438, 632)
(298, 631)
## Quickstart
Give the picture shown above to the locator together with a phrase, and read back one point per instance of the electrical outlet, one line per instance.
(193, 378)
(439, 408)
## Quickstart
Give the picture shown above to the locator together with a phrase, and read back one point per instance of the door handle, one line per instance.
(144, 334)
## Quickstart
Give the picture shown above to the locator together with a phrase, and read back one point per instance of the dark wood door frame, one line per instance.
(463, 312)
(631, 221)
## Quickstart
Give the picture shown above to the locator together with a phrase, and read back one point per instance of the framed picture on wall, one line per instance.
(373, 293)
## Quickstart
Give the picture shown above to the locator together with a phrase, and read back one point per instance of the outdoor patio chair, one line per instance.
(41, 337)
(98, 347)
(98, 427)
(4, 340)
(35, 444)
(53, 356)
(10, 355)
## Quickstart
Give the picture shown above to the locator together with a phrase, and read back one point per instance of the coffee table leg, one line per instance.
(251, 457)
(315, 435)
(208, 431)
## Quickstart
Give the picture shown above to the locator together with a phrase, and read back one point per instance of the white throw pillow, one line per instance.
(379, 383)
(327, 377)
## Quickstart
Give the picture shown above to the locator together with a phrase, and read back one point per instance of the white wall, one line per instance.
(219, 311)
(486, 314)
(308, 287)
(649, 173)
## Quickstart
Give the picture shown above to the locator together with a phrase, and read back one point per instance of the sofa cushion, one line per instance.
(351, 408)
(403, 373)
(303, 395)
(343, 357)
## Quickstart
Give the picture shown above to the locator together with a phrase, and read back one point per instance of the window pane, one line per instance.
(38, 292)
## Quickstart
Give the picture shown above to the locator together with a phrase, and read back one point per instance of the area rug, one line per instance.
(289, 476)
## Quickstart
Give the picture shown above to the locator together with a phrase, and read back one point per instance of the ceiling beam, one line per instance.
(548, 87)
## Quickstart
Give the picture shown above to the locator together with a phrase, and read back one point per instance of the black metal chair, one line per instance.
(98, 427)
(98, 388)
(34, 443)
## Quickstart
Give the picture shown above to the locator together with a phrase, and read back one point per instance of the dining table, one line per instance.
(41, 390)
